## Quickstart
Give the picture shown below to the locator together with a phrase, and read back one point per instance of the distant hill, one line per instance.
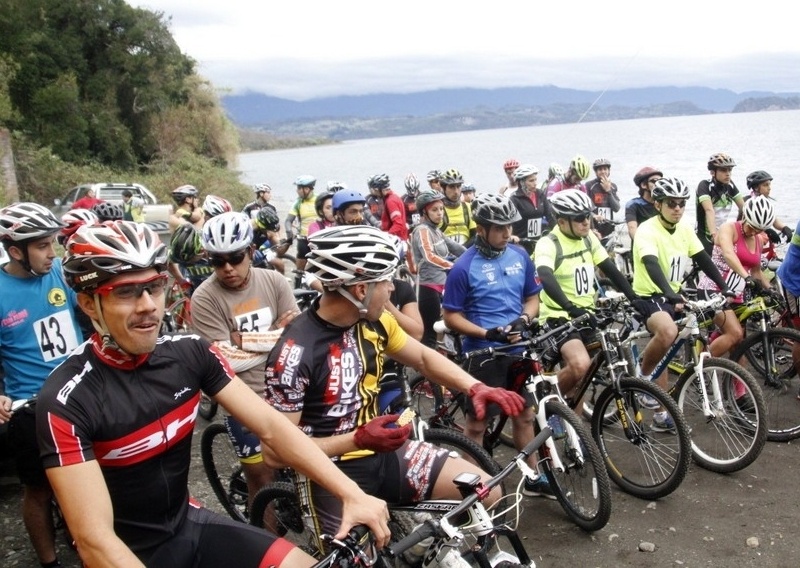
(365, 116)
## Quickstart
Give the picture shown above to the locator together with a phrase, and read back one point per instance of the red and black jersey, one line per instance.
(136, 419)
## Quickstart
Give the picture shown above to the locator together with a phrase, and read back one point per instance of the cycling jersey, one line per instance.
(393, 217)
(533, 212)
(640, 210)
(670, 247)
(458, 223)
(749, 260)
(38, 329)
(490, 292)
(412, 215)
(430, 249)
(560, 184)
(572, 262)
(330, 374)
(135, 418)
(305, 212)
(789, 270)
(722, 197)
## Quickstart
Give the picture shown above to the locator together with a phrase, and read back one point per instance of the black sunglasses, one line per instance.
(580, 218)
(233, 259)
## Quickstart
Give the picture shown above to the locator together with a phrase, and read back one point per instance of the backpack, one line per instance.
(560, 256)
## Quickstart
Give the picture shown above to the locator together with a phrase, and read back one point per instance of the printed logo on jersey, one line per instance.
(14, 318)
(57, 297)
(341, 392)
(151, 440)
(287, 363)
(69, 386)
(513, 269)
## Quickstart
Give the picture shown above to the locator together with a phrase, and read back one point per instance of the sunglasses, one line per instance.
(580, 218)
(672, 204)
(233, 259)
(155, 286)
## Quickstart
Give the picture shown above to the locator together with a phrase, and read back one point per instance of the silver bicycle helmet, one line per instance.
(451, 177)
(227, 233)
(179, 194)
(525, 171)
(412, 184)
(759, 212)
(345, 255)
(214, 205)
(73, 219)
(21, 222)
(107, 211)
(601, 162)
(491, 209)
(305, 181)
(570, 203)
(670, 188)
(378, 181)
(555, 170)
(259, 187)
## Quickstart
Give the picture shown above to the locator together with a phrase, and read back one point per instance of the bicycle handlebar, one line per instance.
(432, 527)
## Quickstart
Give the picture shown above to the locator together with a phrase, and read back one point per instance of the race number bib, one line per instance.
(415, 218)
(258, 320)
(534, 228)
(604, 212)
(583, 279)
(735, 282)
(55, 335)
(677, 268)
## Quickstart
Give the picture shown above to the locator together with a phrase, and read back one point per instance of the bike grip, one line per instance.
(419, 534)
(538, 441)
(358, 532)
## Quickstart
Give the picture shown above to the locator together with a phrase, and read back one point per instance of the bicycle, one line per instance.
(720, 400)
(432, 532)
(224, 472)
(178, 313)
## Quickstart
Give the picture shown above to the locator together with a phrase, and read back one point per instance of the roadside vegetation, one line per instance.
(99, 91)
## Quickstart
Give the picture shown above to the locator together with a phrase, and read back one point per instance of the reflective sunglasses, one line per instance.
(673, 204)
(154, 286)
(234, 259)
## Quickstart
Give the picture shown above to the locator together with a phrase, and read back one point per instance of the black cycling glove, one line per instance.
(575, 312)
(496, 335)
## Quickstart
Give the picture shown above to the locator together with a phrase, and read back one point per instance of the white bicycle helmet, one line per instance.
(305, 181)
(670, 188)
(491, 209)
(96, 253)
(74, 219)
(570, 203)
(259, 187)
(22, 222)
(214, 205)
(525, 171)
(555, 170)
(227, 233)
(334, 186)
(412, 184)
(349, 254)
(759, 212)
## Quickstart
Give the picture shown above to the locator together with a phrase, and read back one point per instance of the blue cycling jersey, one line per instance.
(490, 292)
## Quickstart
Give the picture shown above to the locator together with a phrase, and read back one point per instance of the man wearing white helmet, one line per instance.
(324, 373)
(531, 203)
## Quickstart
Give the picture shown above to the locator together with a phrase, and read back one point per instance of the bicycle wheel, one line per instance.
(768, 356)
(642, 462)
(224, 471)
(583, 488)
(208, 407)
(461, 446)
(731, 433)
(277, 509)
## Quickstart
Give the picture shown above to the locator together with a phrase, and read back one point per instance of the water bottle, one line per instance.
(556, 425)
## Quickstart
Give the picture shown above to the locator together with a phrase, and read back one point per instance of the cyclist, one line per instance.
(186, 197)
(324, 208)
(88, 201)
(39, 330)
(737, 256)
(393, 212)
(188, 263)
(241, 311)
(531, 204)
(555, 171)
(411, 184)
(348, 207)
(509, 167)
(73, 219)
(458, 223)
(759, 182)
(433, 254)
(659, 257)
(565, 263)
(115, 423)
(789, 277)
(107, 211)
(214, 205)
(263, 193)
(603, 193)
(468, 193)
(303, 212)
(577, 171)
(490, 296)
(323, 375)
(640, 209)
(716, 198)
(433, 180)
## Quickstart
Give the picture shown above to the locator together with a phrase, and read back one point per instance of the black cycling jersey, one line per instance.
(136, 419)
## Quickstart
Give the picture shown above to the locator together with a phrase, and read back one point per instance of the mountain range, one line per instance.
(447, 110)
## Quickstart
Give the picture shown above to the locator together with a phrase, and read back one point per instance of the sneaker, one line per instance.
(663, 422)
(538, 487)
(647, 401)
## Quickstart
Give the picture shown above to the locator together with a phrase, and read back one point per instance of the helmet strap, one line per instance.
(361, 306)
(101, 328)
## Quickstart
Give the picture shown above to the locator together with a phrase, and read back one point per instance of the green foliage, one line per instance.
(8, 69)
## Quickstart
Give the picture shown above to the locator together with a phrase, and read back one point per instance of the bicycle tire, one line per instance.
(279, 501)
(733, 438)
(583, 489)
(464, 447)
(223, 470)
(650, 465)
(781, 390)
(207, 408)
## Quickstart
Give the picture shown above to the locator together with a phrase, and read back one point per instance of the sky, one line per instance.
(306, 49)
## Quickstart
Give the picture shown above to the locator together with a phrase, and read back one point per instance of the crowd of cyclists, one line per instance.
(111, 433)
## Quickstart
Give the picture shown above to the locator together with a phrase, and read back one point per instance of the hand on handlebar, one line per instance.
(496, 335)
(509, 402)
(642, 307)
(381, 434)
(575, 312)
(5, 409)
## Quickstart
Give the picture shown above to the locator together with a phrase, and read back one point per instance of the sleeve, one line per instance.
(403, 294)
(456, 287)
(630, 211)
(599, 252)
(532, 284)
(287, 375)
(703, 191)
(396, 337)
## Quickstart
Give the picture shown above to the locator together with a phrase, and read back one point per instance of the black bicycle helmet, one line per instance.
(757, 178)
(491, 209)
(267, 219)
(185, 244)
(670, 188)
(378, 181)
(107, 211)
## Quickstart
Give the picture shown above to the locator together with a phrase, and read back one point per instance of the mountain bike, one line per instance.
(224, 472)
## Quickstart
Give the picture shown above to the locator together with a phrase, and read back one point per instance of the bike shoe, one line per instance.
(538, 487)
(663, 422)
(647, 401)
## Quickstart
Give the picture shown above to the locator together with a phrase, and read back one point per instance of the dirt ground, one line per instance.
(743, 519)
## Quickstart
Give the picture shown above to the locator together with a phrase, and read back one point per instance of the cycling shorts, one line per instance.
(658, 303)
(406, 475)
(494, 372)
(22, 436)
(586, 335)
(246, 444)
(302, 247)
(209, 540)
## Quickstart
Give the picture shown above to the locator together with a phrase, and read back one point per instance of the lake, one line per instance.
(679, 146)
